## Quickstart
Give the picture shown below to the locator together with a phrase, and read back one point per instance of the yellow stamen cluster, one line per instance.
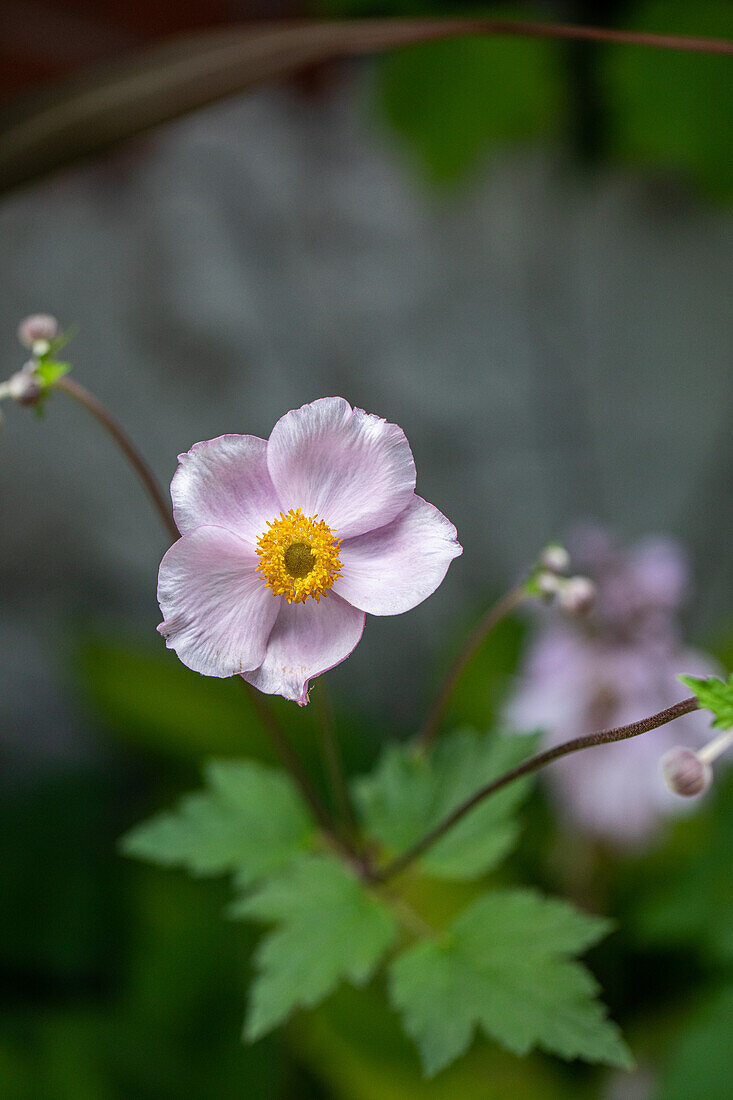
(298, 556)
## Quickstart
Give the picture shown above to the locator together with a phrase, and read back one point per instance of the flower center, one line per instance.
(298, 556)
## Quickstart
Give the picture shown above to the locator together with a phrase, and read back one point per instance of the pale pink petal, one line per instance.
(396, 567)
(307, 639)
(352, 469)
(218, 612)
(225, 482)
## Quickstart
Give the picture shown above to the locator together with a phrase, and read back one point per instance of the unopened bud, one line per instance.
(548, 585)
(37, 332)
(24, 388)
(577, 595)
(684, 773)
(555, 558)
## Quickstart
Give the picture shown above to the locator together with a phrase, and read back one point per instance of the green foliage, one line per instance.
(505, 966)
(451, 101)
(49, 371)
(685, 894)
(328, 929)
(409, 794)
(672, 109)
(715, 695)
(150, 699)
(355, 1043)
(701, 1061)
(249, 820)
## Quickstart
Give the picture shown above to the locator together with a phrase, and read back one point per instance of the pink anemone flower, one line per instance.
(287, 543)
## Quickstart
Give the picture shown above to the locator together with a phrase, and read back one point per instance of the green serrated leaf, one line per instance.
(409, 794)
(329, 928)
(250, 820)
(715, 695)
(49, 371)
(505, 966)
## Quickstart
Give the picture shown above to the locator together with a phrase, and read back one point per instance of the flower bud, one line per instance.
(577, 595)
(548, 585)
(24, 388)
(555, 558)
(39, 328)
(684, 773)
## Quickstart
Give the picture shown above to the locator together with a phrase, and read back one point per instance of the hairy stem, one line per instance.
(484, 626)
(294, 765)
(88, 401)
(333, 759)
(604, 737)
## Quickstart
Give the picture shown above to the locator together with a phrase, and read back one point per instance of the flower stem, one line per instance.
(293, 764)
(333, 759)
(484, 626)
(88, 401)
(604, 737)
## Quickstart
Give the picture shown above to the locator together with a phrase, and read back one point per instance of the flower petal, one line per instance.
(396, 567)
(352, 469)
(218, 612)
(307, 639)
(225, 482)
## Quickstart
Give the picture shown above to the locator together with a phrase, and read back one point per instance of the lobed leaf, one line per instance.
(505, 966)
(249, 820)
(409, 794)
(328, 928)
(715, 695)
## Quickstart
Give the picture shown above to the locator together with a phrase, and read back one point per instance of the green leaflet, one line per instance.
(715, 695)
(249, 820)
(409, 794)
(329, 928)
(505, 966)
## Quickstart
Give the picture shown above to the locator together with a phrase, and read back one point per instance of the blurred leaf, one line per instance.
(152, 700)
(409, 794)
(452, 101)
(685, 894)
(701, 1060)
(328, 929)
(505, 967)
(715, 695)
(481, 690)
(671, 109)
(249, 820)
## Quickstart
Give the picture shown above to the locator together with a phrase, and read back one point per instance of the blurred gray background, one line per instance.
(556, 345)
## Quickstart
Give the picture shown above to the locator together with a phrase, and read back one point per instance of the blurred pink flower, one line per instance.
(613, 667)
(325, 508)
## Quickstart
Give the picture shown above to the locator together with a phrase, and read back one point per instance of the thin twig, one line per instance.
(485, 625)
(332, 757)
(604, 737)
(108, 422)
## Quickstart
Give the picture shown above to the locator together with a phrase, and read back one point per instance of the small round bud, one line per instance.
(548, 585)
(40, 328)
(24, 388)
(684, 773)
(577, 595)
(555, 558)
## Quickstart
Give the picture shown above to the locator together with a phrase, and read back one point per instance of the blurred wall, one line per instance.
(555, 346)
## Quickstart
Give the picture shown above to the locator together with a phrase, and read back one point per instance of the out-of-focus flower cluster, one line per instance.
(613, 666)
